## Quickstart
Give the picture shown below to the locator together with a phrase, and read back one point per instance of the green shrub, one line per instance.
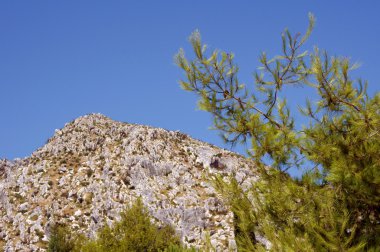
(134, 232)
(61, 239)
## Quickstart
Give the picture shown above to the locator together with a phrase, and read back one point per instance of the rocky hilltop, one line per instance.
(94, 167)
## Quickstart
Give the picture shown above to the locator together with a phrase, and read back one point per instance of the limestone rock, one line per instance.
(94, 167)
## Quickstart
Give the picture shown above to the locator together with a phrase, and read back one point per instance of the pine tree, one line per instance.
(335, 205)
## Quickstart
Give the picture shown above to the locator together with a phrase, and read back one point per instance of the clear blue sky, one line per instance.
(63, 59)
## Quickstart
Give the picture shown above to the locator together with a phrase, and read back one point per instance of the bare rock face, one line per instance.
(94, 167)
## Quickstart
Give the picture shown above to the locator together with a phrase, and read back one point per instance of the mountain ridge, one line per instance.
(93, 167)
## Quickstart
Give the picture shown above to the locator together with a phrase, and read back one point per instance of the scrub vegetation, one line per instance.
(134, 232)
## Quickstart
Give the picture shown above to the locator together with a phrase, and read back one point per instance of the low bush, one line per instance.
(61, 239)
(133, 233)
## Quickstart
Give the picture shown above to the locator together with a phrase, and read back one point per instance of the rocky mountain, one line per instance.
(94, 167)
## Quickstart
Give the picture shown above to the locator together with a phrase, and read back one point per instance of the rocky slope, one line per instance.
(94, 167)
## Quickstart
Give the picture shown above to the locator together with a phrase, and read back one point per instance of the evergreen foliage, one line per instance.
(335, 205)
(61, 239)
(134, 232)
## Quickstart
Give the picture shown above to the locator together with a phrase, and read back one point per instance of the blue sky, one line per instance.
(63, 59)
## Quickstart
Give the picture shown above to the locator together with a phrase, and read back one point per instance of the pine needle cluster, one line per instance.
(335, 204)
